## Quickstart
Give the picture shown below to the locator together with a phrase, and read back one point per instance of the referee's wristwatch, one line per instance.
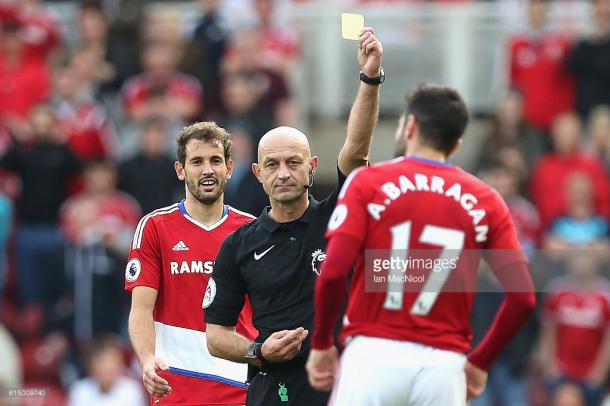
(376, 80)
(254, 356)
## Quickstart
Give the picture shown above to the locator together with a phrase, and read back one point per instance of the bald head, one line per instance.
(282, 139)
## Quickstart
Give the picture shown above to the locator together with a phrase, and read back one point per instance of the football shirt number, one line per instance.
(452, 242)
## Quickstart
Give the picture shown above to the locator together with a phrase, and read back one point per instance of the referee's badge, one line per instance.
(132, 270)
(210, 294)
(318, 257)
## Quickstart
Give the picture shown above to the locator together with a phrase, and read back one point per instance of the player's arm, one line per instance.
(509, 264)
(142, 334)
(363, 116)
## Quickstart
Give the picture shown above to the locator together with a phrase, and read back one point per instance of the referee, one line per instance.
(276, 259)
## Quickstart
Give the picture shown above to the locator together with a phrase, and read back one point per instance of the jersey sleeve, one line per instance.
(144, 265)
(229, 299)
(503, 246)
(350, 217)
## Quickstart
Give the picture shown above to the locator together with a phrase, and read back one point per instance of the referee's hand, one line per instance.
(283, 345)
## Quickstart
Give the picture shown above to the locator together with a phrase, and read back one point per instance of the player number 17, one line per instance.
(452, 242)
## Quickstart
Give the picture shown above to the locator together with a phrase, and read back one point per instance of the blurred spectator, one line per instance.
(107, 383)
(553, 170)
(242, 97)
(93, 32)
(45, 165)
(10, 373)
(39, 26)
(42, 358)
(205, 51)
(161, 91)
(6, 227)
(567, 394)
(244, 55)
(582, 226)
(575, 344)
(524, 213)
(537, 69)
(98, 224)
(280, 46)
(124, 39)
(507, 384)
(150, 175)
(589, 62)
(509, 129)
(599, 133)
(244, 191)
(27, 73)
(82, 119)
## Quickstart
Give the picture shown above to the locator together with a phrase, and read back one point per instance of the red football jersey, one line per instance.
(537, 69)
(581, 321)
(174, 254)
(426, 212)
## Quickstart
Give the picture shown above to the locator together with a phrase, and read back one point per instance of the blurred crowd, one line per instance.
(87, 146)
(87, 126)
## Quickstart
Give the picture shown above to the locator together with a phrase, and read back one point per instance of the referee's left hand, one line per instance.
(321, 368)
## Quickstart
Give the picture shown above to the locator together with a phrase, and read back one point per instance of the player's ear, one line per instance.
(410, 127)
(230, 167)
(179, 170)
(256, 170)
(457, 146)
(313, 164)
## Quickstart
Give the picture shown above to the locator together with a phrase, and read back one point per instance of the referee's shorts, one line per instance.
(284, 384)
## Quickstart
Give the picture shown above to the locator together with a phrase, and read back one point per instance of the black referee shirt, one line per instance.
(276, 265)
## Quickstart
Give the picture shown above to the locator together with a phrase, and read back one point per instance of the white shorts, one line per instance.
(383, 372)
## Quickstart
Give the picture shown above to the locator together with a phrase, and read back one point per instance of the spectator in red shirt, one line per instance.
(161, 91)
(82, 119)
(537, 69)
(98, 224)
(280, 46)
(24, 77)
(599, 134)
(553, 170)
(575, 342)
(40, 27)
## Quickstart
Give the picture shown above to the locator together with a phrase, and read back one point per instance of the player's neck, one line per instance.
(282, 212)
(207, 214)
(427, 153)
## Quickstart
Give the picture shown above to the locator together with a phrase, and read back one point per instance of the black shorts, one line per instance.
(284, 385)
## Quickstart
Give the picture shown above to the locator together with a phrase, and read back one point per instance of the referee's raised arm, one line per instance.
(363, 116)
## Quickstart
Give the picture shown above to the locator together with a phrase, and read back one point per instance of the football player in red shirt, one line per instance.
(407, 341)
(170, 263)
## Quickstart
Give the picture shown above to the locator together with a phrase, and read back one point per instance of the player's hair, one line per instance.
(206, 131)
(440, 113)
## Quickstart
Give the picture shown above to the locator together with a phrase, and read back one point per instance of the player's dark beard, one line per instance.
(202, 197)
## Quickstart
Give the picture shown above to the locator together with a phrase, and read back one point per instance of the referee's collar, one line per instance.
(272, 225)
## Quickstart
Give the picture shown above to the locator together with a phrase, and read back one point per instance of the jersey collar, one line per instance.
(225, 213)
(272, 225)
(429, 161)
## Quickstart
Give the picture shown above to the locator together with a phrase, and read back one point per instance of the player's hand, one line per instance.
(370, 52)
(476, 379)
(283, 345)
(321, 368)
(154, 384)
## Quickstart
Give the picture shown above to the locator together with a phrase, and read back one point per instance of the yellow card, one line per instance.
(351, 25)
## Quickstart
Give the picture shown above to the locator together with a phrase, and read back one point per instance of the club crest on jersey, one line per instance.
(317, 257)
(132, 270)
(210, 294)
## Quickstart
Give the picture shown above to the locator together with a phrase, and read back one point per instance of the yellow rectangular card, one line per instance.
(351, 25)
